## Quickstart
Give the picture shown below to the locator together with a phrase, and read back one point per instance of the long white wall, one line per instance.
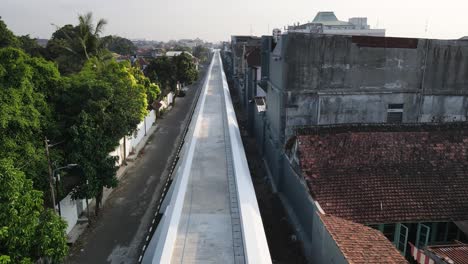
(131, 142)
(71, 209)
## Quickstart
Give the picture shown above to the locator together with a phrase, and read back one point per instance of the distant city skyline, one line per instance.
(211, 20)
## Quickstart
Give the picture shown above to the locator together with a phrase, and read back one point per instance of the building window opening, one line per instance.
(395, 113)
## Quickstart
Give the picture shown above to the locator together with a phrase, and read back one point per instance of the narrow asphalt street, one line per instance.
(117, 235)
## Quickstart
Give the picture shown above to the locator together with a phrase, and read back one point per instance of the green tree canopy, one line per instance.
(163, 71)
(7, 38)
(25, 115)
(104, 103)
(186, 72)
(71, 46)
(201, 52)
(119, 45)
(30, 46)
(152, 90)
(28, 232)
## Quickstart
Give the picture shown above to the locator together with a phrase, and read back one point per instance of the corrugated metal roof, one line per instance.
(453, 254)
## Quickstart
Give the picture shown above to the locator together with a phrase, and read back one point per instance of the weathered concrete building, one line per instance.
(315, 79)
(322, 79)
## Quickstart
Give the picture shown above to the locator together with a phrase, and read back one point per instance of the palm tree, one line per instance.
(88, 35)
(82, 40)
(80, 43)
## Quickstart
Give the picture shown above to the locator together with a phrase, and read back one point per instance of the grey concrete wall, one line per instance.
(342, 63)
(365, 108)
(324, 248)
(447, 67)
(318, 245)
(259, 131)
(274, 99)
(301, 109)
(444, 108)
(325, 79)
(272, 156)
(327, 62)
(265, 56)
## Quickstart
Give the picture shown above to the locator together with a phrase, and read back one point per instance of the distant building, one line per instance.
(276, 34)
(191, 43)
(42, 42)
(328, 23)
(177, 53)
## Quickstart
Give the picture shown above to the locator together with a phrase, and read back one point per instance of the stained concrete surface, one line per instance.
(206, 230)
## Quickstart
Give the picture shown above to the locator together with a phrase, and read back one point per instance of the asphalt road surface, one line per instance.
(117, 235)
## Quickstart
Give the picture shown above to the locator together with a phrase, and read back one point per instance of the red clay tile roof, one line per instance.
(359, 243)
(385, 174)
(458, 253)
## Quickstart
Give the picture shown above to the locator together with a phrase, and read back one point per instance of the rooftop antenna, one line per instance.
(268, 28)
(251, 32)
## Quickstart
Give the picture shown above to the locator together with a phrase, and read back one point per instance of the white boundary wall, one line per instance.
(133, 141)
(70, 209)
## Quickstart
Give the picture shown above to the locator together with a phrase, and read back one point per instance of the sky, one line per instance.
(217, 20)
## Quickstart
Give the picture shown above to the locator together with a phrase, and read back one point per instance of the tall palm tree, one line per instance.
(82, 41)
(88, 34)
(71, 46)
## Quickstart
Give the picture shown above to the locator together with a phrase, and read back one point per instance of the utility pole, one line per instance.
(51, 177)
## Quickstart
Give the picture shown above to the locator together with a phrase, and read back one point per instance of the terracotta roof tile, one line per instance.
(377, 175)
(361, 244)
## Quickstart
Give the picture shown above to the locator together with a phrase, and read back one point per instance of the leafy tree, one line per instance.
(28, 232)
(31, 46)
(186, 71)
(88, 35)
(25, 116)
(162, 71)
(152, 90)
(168, 71)
(104, 102)
(58, 50)
(71, 46)
(7, 38)
(119, 45)
(201, 52)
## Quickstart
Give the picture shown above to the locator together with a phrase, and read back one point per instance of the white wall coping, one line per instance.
(255, 243)
(168, 228)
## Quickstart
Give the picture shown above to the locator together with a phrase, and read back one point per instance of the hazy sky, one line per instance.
(216, 20)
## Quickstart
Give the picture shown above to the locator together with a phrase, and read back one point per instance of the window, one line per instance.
(389, 231)
(422, 238)
(402, 238)
(395, 113)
